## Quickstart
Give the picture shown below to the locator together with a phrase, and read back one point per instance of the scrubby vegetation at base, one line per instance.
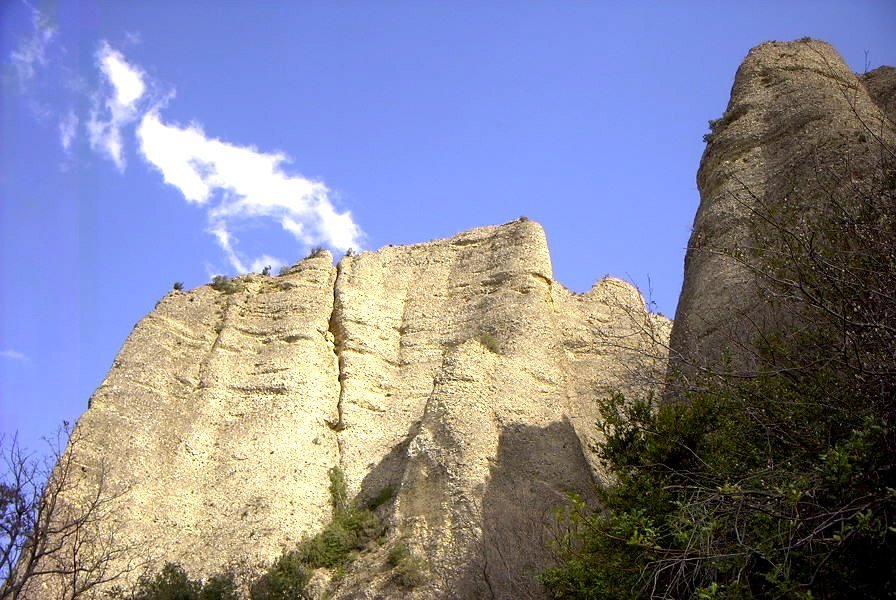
(352, 530)
(173, 583)
(410, 570)
(768, 487)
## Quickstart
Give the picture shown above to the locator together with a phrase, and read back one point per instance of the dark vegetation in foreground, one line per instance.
(780, 484)
(352, 531)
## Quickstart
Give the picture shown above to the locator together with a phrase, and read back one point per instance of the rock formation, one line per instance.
(799, 130)
(457, 372)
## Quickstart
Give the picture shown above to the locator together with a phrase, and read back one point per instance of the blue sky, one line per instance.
(143, 143)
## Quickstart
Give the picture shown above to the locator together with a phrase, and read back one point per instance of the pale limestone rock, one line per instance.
(456, 371)
(798, 127)
(213, 416)
(470, 381)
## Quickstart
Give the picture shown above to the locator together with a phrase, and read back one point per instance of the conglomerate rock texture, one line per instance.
(456, 372)
(800, 129)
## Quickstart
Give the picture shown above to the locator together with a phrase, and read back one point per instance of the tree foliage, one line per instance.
(780, 484)
(350, 531)
(58, 522)
(173, 583)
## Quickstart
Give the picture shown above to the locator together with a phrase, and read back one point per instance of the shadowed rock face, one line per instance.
(456, 371)
(798, 127)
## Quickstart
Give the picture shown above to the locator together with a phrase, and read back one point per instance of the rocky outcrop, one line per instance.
(214, 419)
(456, 372)
(800, 128)
(881, 85)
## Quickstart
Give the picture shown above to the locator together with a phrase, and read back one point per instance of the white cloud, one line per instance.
(68, 129)
(223, 236)
(109, 115)
(133, 38)
(13, 355)
(32, 50)
(126, 79)
(240, 183)
(236, 184)
(265, 260)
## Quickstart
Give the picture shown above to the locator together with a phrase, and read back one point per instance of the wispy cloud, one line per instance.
(13, 355)
(68, 129)
(235, 184)
(238, 183)
(263, 261)
(112, 111)
(133, 38)
(31, 51)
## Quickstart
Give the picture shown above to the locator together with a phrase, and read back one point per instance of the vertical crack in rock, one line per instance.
(459, 430)
(338, 332)
(225, 319)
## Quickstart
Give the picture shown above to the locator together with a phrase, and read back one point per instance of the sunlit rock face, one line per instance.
(456, 372)
(799, 128)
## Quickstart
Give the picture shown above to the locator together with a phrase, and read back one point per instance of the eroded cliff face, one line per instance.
(456, 371)
(214, 419)
(800, 131)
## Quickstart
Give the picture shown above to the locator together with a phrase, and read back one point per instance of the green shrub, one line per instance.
(285, 580)
(219, 587)
(409, 570)
(266, 271)
(338, 490)
(490, 342)
(178, 285)
(767, 487)
(351, 530)
(225, 284)
(173, 583)
(284, 270)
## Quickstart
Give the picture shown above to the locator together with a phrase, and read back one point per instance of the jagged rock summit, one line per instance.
(801, 132)
(456, 373)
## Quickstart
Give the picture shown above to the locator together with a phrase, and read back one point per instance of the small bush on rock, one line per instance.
(223, 283)
(410, 570)
(173, 583)
(352, 530)
(491, 343)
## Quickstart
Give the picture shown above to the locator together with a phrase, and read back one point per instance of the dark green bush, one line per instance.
(225, 284)
(285, 580)
(409, 570)
(767, 487)
(352, 530)
(173, 583)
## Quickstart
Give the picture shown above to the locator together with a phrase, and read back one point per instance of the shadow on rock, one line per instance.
(534, 470)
